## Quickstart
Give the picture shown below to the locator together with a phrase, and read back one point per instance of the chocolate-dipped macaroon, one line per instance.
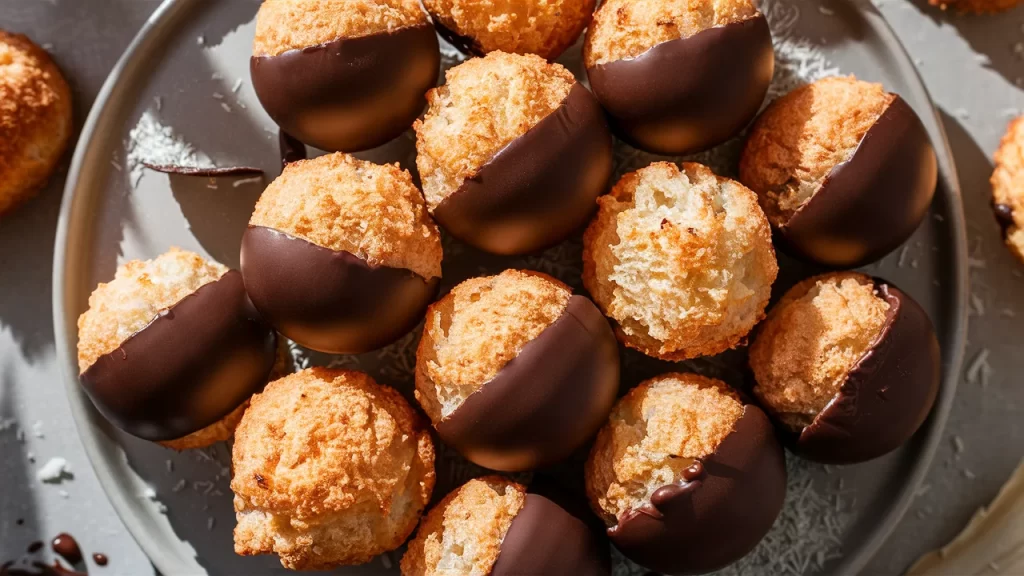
(341, 255)
(687, 478)
(1008, 187)
(343, 75)
(681, 260)
(515, 26)
(848, 366)
(512, 153)
(329, 469)
(491, 526)
(843, 169)
(172, 349)
(515, 371)
(678, 78)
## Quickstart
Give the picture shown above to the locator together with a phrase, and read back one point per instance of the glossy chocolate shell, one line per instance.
(719, 515)
(688, 94)
(327, 300)
(873, 202)
(350, 94)
(886, 396)
(544, 403)
(189, 367)
(538, 189)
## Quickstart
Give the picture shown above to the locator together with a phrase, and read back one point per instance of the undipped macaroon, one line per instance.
(492, 526)
(1008, 187)
(171, 349)
(341, 255)
(512, 152)
(678, 77)
(515, 371)
(843, 169)
(680, 259)
(686, 476)
(848, 365)
(329, 469)
(35, 118)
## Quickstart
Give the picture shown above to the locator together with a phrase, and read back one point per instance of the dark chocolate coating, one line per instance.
(350, 94)
(189, 367)
(873, 202)
(327, 300)
(538, 189)
(1004, 216)
(291, 149)
(544, 539)
(463, 44)
(209, 172)
(886, 396)
(545, 402)
(688, 94)
(706, 523)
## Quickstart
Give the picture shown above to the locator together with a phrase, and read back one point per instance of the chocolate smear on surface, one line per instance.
(207, 171)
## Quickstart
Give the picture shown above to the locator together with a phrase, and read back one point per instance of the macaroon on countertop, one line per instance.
(979, 123)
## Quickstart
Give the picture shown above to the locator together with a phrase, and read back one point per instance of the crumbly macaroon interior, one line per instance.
(463, 533)
(655, 433)
(283, 25)
(518, 26)
(627, 28)
(802, 136)
(342, 203)
(484, 104)
(681, 259)
(329, 468)
(1008, 182)
(811, 340)
(476, 329)
(139, 292)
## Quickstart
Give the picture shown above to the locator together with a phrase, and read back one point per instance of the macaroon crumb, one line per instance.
(654, 433)
(811, 340)
(476, 329)
(463, 533)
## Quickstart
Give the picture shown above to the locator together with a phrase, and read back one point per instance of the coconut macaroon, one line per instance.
(812, 338)
(843, 169)
(514, 371)
(686, 477)
(848, 365)
(343, 75)
(680, 259)
(657, 67)
(158, 338)
(519, 26)
(341, 255)
(35, 118)
(491, 525)
(1008, 187)
(512, 152)
(330, 469)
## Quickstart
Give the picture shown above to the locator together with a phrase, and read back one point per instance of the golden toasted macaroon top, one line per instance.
(681, 259)
(476, 329)
(1008, 183)
(283, 25)
(627, 28)
(812, 338)
(800, 137)
(35, 118)
(976, 6)
(544, 28)
(329, 468)
(463, 533)
(654, 433)
(342, 203)
(139, 292)
(485, 104)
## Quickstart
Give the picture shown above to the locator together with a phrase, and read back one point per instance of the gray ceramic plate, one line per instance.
(188, 69)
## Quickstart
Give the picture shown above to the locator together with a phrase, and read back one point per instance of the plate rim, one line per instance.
(91, 427)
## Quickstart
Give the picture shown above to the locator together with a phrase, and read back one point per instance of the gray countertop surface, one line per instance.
(973, 66)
